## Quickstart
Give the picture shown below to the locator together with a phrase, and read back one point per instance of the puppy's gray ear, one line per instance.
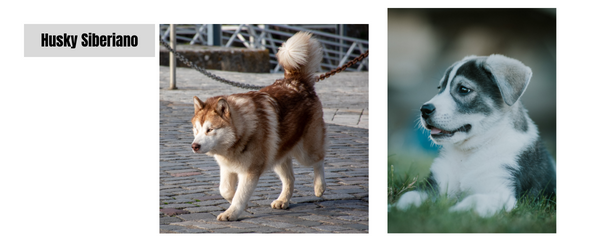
(198, 105)
(511, 75)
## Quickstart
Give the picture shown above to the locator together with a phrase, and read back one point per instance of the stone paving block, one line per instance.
(203, 209)
(314, 217)
(357, 226)
(265, 229)
(245, 225)
(172, 211)
(234, 230)
(179, 229)
(304, 207)
(177, 182)
(185, 174)
(332, 228)
(169, 220)
(332, 204)
(201, 225)
(195, 216)
(353, 218)
(301, 230)
(279, 225)
(178, 206)
(336, 222)
(191, 196)
(337, 196)
(349, 191)
(296, 200)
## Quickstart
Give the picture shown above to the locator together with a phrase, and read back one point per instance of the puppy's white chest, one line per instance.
(460, 173)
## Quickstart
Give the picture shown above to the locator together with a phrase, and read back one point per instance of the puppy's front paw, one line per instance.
(227, 216)
(410, 199)
(279, 204)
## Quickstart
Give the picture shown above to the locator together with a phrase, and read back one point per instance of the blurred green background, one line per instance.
(423, 43)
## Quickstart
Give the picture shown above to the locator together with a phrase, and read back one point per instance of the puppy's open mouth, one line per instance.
(440, 133)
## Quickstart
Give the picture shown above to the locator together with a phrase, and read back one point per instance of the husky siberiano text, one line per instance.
(251, 132)
(491, 153)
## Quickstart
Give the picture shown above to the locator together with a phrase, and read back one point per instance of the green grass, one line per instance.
(406, 171)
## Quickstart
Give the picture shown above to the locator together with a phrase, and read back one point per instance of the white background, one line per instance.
(80, 136)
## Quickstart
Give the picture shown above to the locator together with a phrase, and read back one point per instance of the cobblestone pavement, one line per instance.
(189, 195)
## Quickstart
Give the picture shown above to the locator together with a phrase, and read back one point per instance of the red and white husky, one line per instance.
(251, 132)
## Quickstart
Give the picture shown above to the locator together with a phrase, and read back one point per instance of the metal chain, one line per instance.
(208, 74)
(255, 87)
(342, 68)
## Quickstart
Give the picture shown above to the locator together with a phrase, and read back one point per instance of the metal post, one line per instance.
(172, 59)
(341, 49)
(213, 34)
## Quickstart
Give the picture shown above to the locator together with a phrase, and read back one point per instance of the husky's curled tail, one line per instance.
(301, 57)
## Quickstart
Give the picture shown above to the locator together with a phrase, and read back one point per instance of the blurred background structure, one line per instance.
(227, 46)
(423, 43)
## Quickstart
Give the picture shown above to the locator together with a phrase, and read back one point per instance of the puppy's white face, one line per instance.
(468, 103)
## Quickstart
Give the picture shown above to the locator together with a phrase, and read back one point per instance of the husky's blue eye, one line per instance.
(464, 90)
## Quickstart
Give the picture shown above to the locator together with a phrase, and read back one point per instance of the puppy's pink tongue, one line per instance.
(435, 131)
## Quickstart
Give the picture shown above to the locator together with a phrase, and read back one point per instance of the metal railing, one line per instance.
(337, 48)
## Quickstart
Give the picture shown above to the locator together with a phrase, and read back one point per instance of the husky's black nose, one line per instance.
(427, 110)
(196, 147)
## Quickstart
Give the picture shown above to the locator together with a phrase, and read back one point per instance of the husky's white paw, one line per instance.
(227, 216)
(279, 204)
(319, 189)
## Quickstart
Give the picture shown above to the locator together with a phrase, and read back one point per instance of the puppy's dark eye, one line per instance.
(464, 90)
(439, 87)
(209, 130)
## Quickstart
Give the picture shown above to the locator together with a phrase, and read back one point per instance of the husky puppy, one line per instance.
(491, 153)
(251, 132)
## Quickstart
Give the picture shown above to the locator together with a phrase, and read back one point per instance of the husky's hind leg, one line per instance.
(319, 178)
(286, 174)
(312, 154)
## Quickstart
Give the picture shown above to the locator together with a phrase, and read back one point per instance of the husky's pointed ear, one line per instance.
(198, 105)
(511, 75)
(222, 108)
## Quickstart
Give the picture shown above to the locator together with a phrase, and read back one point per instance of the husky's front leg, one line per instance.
(247, 184)
(227, 186)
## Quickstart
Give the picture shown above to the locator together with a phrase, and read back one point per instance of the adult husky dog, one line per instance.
(491, 153)
(251, 132)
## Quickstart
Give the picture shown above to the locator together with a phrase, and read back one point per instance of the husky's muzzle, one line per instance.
(195, 147)
(427, 111)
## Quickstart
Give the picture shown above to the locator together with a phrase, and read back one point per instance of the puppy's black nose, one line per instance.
(427, 110)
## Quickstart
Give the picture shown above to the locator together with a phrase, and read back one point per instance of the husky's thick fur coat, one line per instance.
(491, 153)
(251, 132)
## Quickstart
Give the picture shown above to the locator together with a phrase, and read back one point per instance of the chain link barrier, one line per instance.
(250, 86)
